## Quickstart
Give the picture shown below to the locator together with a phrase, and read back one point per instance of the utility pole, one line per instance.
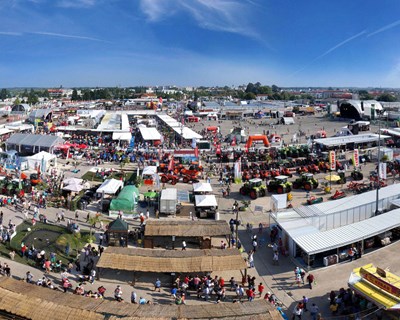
(379, 163)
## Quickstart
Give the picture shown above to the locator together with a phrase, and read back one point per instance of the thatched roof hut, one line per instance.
(187, 228)
(38, 303)
(186, 261)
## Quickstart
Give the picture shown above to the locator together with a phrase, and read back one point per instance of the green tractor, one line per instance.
(306, 181)
(280, 185)
(253, 188)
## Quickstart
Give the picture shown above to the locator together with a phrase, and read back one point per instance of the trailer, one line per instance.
(169, 201)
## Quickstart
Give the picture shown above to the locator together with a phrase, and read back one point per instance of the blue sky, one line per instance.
(199, 42)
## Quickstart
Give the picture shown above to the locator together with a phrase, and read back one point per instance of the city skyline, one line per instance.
(89, 43)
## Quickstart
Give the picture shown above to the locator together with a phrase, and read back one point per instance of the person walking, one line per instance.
(183, 245)
(275, 258)
(310, 280)
(133, 297)
(305, 301)
(157, 285)
(314, 310)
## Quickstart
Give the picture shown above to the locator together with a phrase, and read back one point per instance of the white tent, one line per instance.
(206, 201)
(74, 187)
(43, 160)
(202, 187)
(150, 170)
(150, 133)
(68, 181)
(110, 186)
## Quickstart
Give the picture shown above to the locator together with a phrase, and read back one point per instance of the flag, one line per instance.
(160, 100)
(171, 164)
(218, 151)
(332, 160)
(356, 158)
(196, 152)
(382, 170)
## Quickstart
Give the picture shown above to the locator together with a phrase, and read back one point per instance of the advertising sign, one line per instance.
(332, 160)
(356, 158)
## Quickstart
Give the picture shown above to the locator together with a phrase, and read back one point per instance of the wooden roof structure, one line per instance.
(38, 303)
(186, 228)
(185, 261)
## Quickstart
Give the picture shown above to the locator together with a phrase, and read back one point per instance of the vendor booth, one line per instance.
(377, 285)
(206, 206)
(42, 161)
(202, 187)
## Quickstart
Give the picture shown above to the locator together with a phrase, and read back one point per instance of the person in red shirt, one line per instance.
(260, 289)
(221, 282)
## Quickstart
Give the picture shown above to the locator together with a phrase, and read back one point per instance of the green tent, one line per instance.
(126, 200)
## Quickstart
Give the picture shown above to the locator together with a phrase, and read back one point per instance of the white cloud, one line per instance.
(223, 15)
(76, 3)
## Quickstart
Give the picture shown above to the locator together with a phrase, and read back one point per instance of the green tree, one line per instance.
(386, 97)
(364, 95)
(4, 94)
(249, 96)
(275, 88)
(75, 96)
(32, 97)
(17, 101)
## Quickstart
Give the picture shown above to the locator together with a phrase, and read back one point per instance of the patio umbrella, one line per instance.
(150, 194)
(332, 178)
(73, 187)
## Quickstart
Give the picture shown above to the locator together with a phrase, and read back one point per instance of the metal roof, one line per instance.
(360, 138)
(327, 240)
(34, 140)
(150, 133)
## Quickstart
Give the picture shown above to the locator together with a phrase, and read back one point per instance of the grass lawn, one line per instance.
(48, 237)
(91, 176)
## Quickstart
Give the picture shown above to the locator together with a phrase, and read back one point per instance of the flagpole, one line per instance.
(379, 165)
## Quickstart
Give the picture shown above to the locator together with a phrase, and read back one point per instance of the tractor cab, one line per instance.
(255, 183)
(282, 179)
(308, 176)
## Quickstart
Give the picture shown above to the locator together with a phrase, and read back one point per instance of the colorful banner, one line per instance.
(332, 160)
(356, 158)
(380, 283)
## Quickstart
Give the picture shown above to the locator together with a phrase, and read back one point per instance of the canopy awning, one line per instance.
(202, 187)
(110, 186)
(150, 170)
(369, 282)
(208, 200)
(149, 133)
(125, 136)
(322, 241)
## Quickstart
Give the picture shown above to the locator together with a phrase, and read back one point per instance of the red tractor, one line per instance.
(167, 177)
(189, 179)
(313, 168)
(285, 172)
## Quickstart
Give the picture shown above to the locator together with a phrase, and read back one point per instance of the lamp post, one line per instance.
(379, 162)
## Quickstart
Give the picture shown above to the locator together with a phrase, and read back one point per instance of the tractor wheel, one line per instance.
(174, 181)
(296, 185)
(253, 194)
(279, 189)
(164, 179)
(307, 186)
(185, 180)
(243, 191)
(262, 192)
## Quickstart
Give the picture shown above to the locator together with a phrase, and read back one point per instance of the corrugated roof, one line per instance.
(150, 133)
(326, 240)
(360, 138)
(34, 140)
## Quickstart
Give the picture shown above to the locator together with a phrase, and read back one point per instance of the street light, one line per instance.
(379, 113)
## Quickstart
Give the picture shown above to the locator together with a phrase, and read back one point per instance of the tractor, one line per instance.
(169, 177)
(254, 188)
(280, 185)
(306, 181)
(357, 175)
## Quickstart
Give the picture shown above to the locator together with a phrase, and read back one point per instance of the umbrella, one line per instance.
(82, 146)
(332, 178)
(150, 194)
(73, 187)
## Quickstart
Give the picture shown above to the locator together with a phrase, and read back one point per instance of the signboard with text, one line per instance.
(356, 158)
(380, 283)
(332, 160)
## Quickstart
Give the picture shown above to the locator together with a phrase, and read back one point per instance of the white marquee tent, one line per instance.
(208, 200)
(110, 186)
